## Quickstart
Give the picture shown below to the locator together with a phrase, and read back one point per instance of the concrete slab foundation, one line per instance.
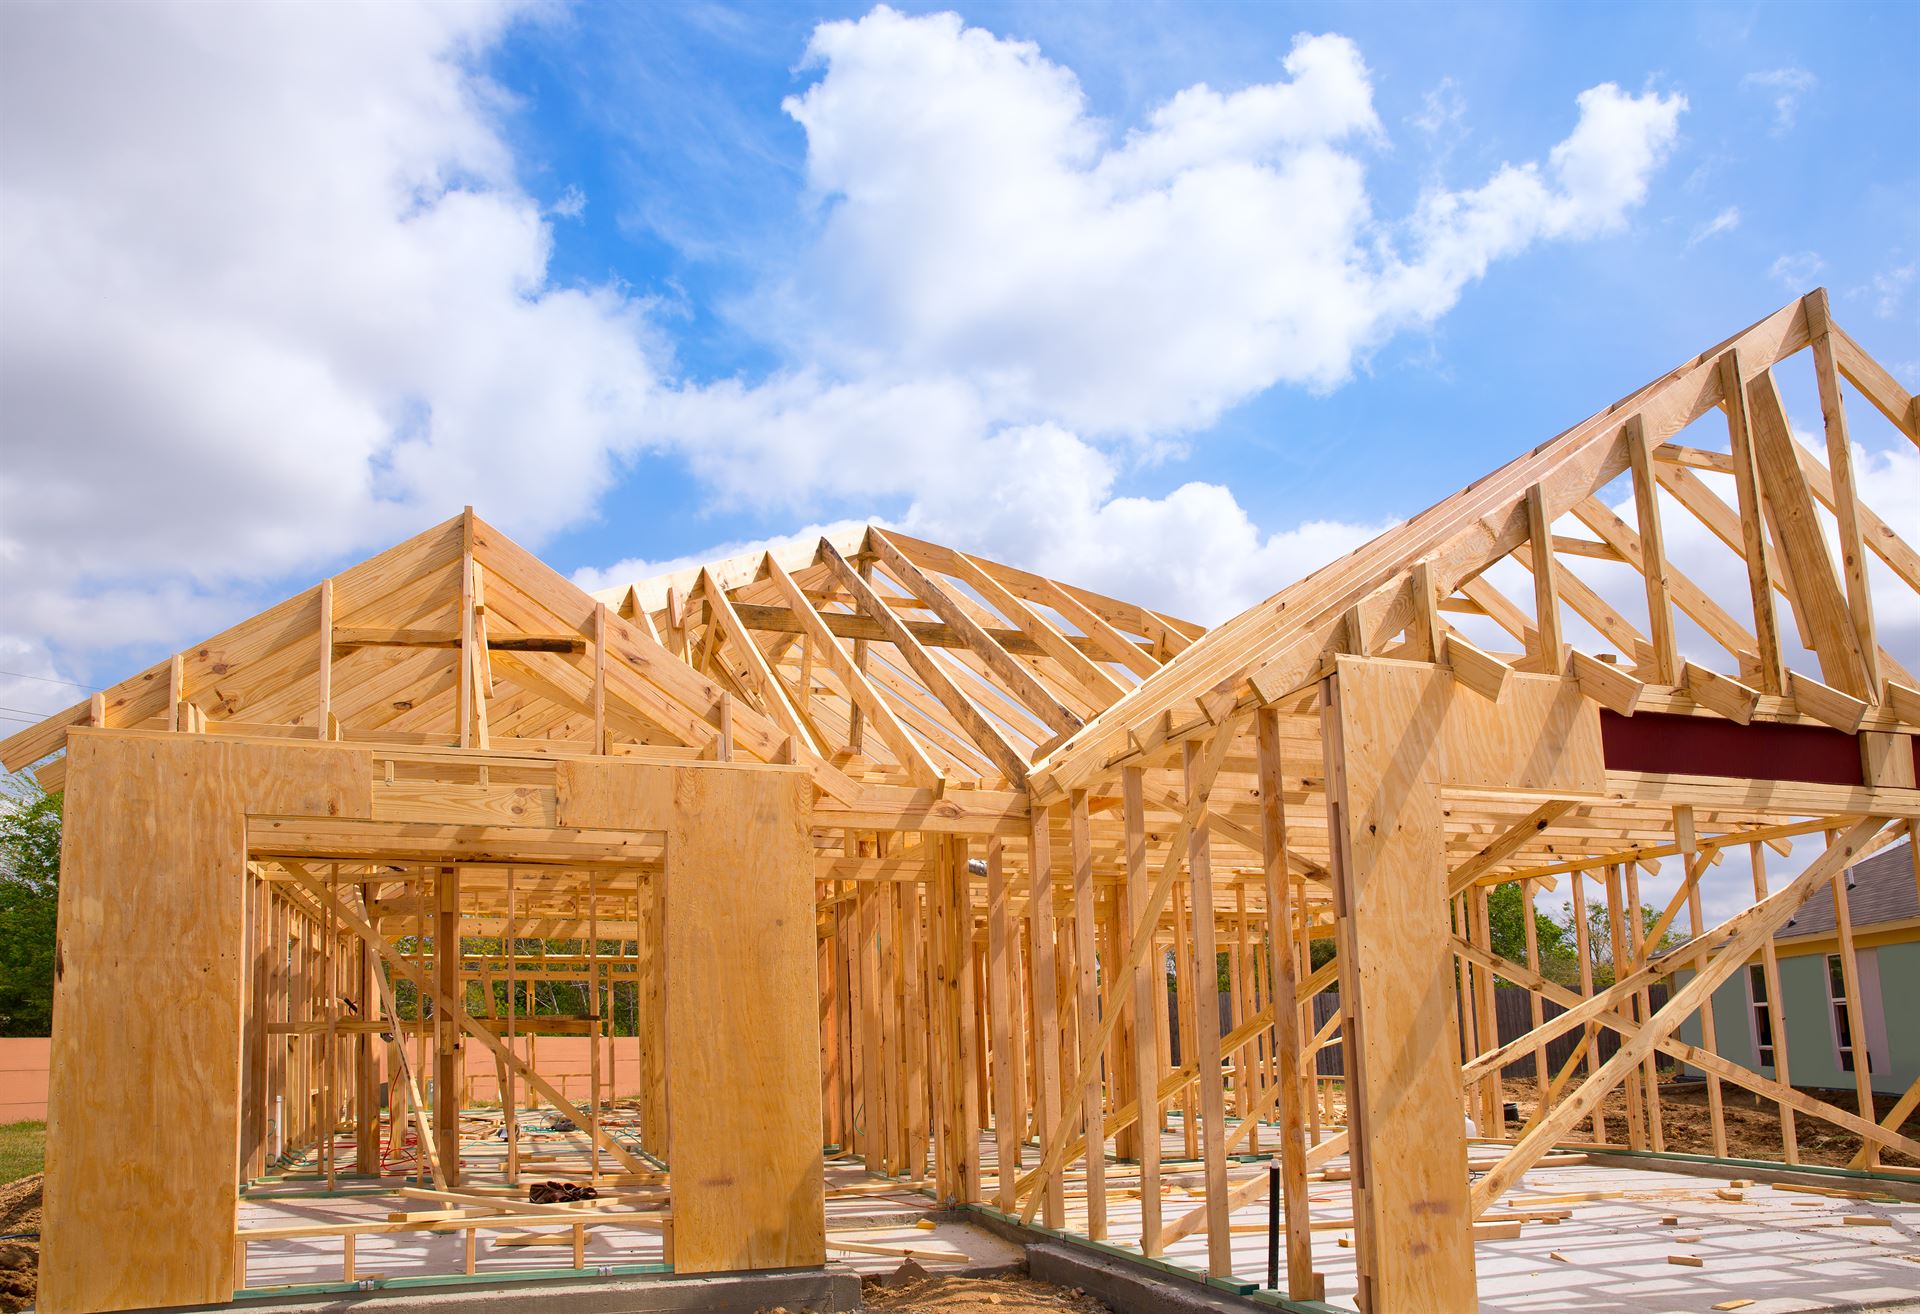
(1599, 1239)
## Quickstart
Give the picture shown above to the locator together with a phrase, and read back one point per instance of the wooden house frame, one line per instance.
(1006, 801)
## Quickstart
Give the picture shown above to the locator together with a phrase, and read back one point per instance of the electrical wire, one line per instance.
(48, 679)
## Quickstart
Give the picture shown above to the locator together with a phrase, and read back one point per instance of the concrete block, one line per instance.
(1129, 1288)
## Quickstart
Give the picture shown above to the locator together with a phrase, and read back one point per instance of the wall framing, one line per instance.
(1012, 806)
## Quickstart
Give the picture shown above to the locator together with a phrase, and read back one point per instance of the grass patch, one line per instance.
(23, 1150)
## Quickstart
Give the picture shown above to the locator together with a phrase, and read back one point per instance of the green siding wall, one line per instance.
(1900, 1003)
(1733, 1027)
(1733, 1035)
(1812, 1055)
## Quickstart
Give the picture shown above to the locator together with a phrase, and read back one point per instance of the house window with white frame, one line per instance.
(1837, 1000)
(1762, 1014)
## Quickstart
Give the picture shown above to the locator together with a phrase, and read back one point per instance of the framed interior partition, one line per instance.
(1021, 797)
(152, 1110)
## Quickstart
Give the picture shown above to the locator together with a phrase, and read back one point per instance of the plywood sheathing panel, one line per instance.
(743, 1051)
(143, 1132)
(1385, 724)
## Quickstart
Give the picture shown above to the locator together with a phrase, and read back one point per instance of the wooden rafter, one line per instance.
(1017, 677)
(1818, 597)
(1093, 679)
(754, 665)
(880, 713)
(984, 730)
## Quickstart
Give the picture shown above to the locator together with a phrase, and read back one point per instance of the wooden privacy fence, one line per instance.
(1514, 1012)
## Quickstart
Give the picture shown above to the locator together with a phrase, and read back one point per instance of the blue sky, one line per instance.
(1108, 290)
(1543, 340)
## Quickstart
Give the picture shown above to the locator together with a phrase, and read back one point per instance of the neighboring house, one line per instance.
(1883, 903)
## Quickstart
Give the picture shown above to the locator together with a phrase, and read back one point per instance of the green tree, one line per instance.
(1507, 920)
(29, 898)
(1600, 938)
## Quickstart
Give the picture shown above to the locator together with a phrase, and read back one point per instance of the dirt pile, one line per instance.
(951, 1294)
(19, 1259)
(912, 1290)
(1752, 1122)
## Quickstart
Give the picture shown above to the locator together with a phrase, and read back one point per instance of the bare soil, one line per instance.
(952, 1294)
(19, 1260)
(1752, 1122)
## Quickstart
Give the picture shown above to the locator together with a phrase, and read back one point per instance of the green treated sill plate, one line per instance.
(452, 1280)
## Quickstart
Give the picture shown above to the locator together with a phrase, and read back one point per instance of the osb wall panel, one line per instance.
(743, 1048)
(143, 1156)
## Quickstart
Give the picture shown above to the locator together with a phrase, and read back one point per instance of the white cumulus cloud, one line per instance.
(980, 221)
(275, 294)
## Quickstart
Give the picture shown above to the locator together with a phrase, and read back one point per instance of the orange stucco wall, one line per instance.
(23, 1079)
